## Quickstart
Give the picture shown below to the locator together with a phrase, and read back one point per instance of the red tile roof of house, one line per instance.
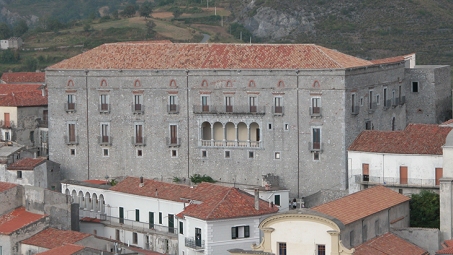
(182, 56)
(26, 164)
(21, 95)
(6, 186)
(415, 139)
(388, 60)
(151, 188)
(67, 249)
(448, 248)
(448, 122)
(99, 182)
(24, 77)
(361, 204)
(389, 244)
(17, 219)
(218, 202)
(51, 238)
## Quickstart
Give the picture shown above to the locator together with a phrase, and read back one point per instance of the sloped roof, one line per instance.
(51, 238)
(100, 182)
(21, 95)
(182, 56)
(361, 204)
(17, 219)
(67, 249)
(151, 188)
(415, 139)
(220, 202)
(389, 244)
(6, 186)
(388, 60)
(26, 164)
(448, 248)
(24, 77)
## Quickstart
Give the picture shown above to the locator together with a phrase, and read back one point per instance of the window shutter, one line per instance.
(246, 231)
(234, 232)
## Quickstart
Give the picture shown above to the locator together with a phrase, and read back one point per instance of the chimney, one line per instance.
(141, 182)
(257, 199)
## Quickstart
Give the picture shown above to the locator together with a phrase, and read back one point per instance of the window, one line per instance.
(139, 138)
(7, 120)
(252, 104)
(315, 106)
(72, 152)
(361, 101)
(353, 110)
(251, 154)
(240, 232)
(386, 104)
(134, 238)
(204, 154)
(72, 137)
(393, 123)
(393, 98)
(316, 155)
(400, 95)
(181, 228)
(171, 223)
(368, 125)
(117, 234)
(316, 139)
(277, 155)
(364, 233)
(172, 104)
(351, 238)
(104, 103)
(378, 99)
(105, 134)
(198, 237)
(278, 106)
(377, 228)
(139, 153)
(151, 220)
(229, 104)
(7, 136)
(70, 105)
(19, 174)
(321, 249)
(277, 199)
(286, 127)
(160, 217)
(205, 103)
(439, 174)
(105, 152)
(371, 99)
(174, 153)
(137, 215)
(269, 126)
(227, 154)
(32, 136)
(281, 248)
(415, 86)
(174, 141)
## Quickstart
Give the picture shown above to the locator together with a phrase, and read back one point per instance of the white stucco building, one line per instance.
(405, 161)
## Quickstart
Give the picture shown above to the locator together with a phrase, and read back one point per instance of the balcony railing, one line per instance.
(104, 108)
(387, 104)
(173, 108)
(395, 181)
(70, 107)
(226, 143)
(315, 111)
(138, 108)
(232, 109)
(139, 140)
(355, 110)
(316, 146)
(278, 110)
(395, 102)
(173, 141)
(194, 243)
(42, 123)
(71, 140)
(104, 140)
(6, 124)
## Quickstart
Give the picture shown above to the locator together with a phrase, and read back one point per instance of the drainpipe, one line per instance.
(88, 133)
(298, 138)
(188, 126)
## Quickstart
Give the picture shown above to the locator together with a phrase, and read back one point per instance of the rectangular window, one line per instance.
(227, 154)
(403, 174)
(278, 106)
(173, 135)
(198, 237)
(71, 102)
(240, 232)
(105, 152)
(7, 120)
(377, 229)
(361, 101)
(286, 127)
(252, 104)
(385, 98)
(171, 223)
(172, 104)
(321, 249)
(353, 103)
(229, 104)
(364, 233)
(104, 103)
(371, 99)
(366, 172)
(400, 94)
(368, 125)
(160, 218)
(7, 136)
(134, 238)
(439, 174)
(205, 103)
(251, 154)
(72, 138)
(181, 228)
(117, 234)
(277, 199)
(151, 220)
(316, 155)
(139, 139)
(351, 238)
(174, 153)
(204, 154)
(105, 133)
(19, 174)
(315, 106)
(378, 99)
(415, 86)
(281, 248)
(72, 152)
(137, 215)
(316, 138)
(139, 153)
(277, 155)
(121, 214)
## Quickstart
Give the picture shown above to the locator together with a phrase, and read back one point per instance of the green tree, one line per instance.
(129, 11)
(177, 12)
(150, 25)
(5, 31)
(196, 178)
(8, 57)
(145, 9)
(31, 64)
(20, 28)
(425, 210)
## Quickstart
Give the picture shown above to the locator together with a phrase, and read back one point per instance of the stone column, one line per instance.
(334, 242)
(212, 133)
(267, 244)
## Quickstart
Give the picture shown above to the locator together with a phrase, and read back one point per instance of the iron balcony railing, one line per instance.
(138, 108)
(173, 108)
(7, 124)
(227, 143)
(139, 140)
(105, 140)
(71, 140)
(278, 110)
(315, 111)
(70, 107)
(228, 109)
(396, 181)
(194, 243)
(42, 123)
(173, 142)
(104, 108)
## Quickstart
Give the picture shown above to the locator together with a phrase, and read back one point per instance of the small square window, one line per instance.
(72, 152)
(251, 154)
(286, 127)
(368, 125)
(105, 152)
(204, 154)
(361, 101)
(227, 154)
(174, 153)
(19, 174)
(316, 155)
(139, 153)
(269, 126)
(277, 155)
(134, 238)
(415, 86)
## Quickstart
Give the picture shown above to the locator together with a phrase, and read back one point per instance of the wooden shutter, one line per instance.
(173, 134)
(403, 174)
(439, 174)
(365, 169)
(72, 137)
(7, 120)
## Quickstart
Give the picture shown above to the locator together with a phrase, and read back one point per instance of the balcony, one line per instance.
(139, 140)
(42, 123)
(104, 108)
(138, 108)
(355, 110)
(71, 140)
(105, 140)
(316, 146)
(228, 109)
(173, 141)
(395, 102)
(315, 111)
(194, 243)
(278, 110)
(70, 107)
(7, 124)
(387, 104)
(230, 144)
(173, 108)
(396, 181)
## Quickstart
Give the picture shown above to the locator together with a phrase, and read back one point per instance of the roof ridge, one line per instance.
(220, 201)
(327, 55)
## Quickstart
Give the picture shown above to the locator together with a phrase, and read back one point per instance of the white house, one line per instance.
(142, 212)
(405, 161)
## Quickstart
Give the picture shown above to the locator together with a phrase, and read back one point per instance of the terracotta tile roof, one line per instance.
(415, 139)
(144, 252)
(361, 204)
(26, 164)
(67, 249)
(51, 238)
(6, 186)
(445, 251)
(389, 244)
(21, 95)
(89, 219)
(17, 219)
(388, 60)
(24, 77)
(448, 122)
(151, 188)
(220, 202)
(182, 56)
(100, 182)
